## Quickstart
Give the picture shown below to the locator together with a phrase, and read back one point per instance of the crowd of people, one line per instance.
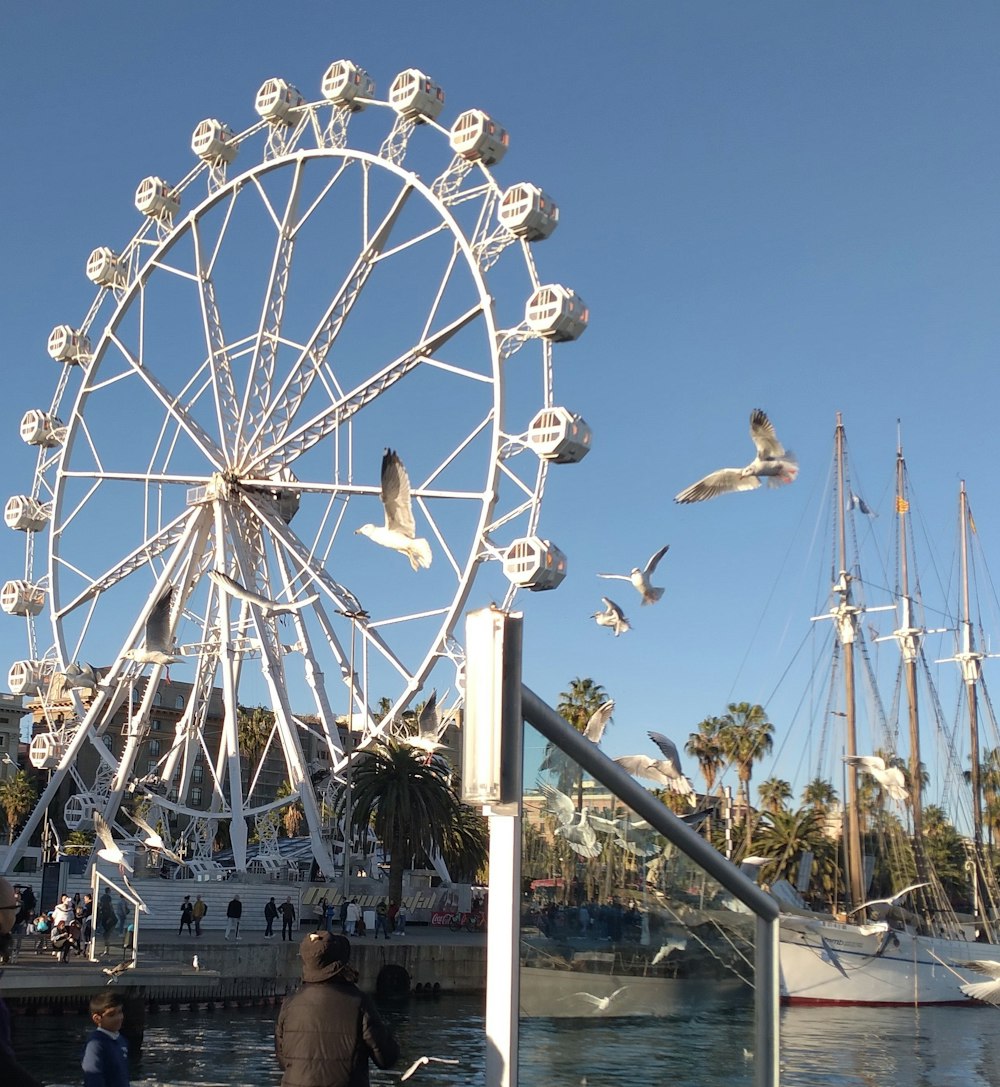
(390, 917)
(68, 927)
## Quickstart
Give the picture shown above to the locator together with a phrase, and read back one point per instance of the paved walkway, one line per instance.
(415, 934)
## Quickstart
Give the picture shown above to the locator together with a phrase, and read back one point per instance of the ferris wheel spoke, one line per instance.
(283, 406)
(327, 421)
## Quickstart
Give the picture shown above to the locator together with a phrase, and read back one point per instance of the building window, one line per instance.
(109, 742)
(198, 773)
(153, 748)
(155, 725)
(195, 797)
(151, 766)
(179, 702)
(3, 739)
(157, 700)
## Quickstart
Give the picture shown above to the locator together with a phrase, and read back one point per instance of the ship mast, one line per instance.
(909, 636)
(971, 665)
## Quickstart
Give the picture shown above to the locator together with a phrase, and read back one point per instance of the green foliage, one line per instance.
(18, 797)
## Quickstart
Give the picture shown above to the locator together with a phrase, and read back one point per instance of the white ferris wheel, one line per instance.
(287, 311)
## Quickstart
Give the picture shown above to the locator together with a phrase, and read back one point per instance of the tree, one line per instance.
(774, 794)
(745, 738)
(18, 797)
(703, 745)
(576, 705)
(293, 816)
(466, 845)
(407, 801)
(819, 794)
(785, 836)
(253, 730)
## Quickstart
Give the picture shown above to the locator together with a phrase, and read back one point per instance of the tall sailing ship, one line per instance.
(911, 947)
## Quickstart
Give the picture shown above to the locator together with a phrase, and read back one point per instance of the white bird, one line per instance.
(640, 578)
(665, 949)
(893, 900)
(573, 826)
(114, 972)
(751, 866)
(272, 607)
(601, 1003)
(195, 963)
(399, 531)
(154, 840)
(158, 647)
(420, 1061)
(983, 990)
(889, 777)
(612, 616)
(665, 772)
(81, 677)
(430, 728)
(111, 851)
(771, 463)
(598, 721)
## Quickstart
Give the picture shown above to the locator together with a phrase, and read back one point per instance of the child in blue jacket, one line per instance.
(105, 1056)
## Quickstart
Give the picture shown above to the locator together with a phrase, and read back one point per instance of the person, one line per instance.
(287, 910)
(270, 916)
(382, 919)
(12, 1072)
(121, 912)
(187, 916)
(106, 918)
(343, 916)
(198, 911)
(353, 917)
(329, 1030)
(393, 914)
(105, 1054)
(62, 941)
(401, 920)
(321, 913)
(234, 911)
(64, 911)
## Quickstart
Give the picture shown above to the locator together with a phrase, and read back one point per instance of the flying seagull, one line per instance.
(771, 463)
(81, 677)
(159, 647)
(601, 1003)
(889, 777)
(640, 578)
(612, 616)
(598, 721)
(272, 607)
(893, 900)
(665, 772)
(154, 840)
(420, 1061)
(111, 850)
(430, 728)
(114, 972)
(399, 530)
(573, 826)
(983, 990)
(665, 949)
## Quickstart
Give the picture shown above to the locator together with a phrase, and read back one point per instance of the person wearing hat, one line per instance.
(12, 1074)
(329, 1030)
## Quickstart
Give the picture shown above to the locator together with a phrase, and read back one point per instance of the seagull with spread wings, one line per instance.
(572, 826)
(430, 728)
(399, 531)
(640, 578)
(75, 676)
(598, 721)
(983, 990)
(154, 840)
(271, 607)
(420, 1061)
(600, 1003)
(772, 463)
(612, 617)
(665, 772)
(889, 777)
(158, 647)
(890, 902)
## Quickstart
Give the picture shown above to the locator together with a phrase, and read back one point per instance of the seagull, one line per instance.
(890, 778)
(430, 728)
(894, 900)
(154, 840)
(271, 607)
(665, 772)
(670, 945)
(751, 866)
(195, 964)
(111, 851)
(426, 1060)
(983, 990)
(612, 616)
(640, 578)
(81, 677)
(598, 721)
(601, 1003)
(159, 647)
(771, 463)
(398, 532)
(574, 826)
(114, 972)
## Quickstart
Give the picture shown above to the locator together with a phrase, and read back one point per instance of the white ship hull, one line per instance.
(825, 962)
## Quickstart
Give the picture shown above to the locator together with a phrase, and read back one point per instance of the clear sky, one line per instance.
(778, 205)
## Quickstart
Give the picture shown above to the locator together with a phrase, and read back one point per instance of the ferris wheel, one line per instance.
(342, 288)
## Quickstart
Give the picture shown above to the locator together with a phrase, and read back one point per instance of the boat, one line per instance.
(910, 947)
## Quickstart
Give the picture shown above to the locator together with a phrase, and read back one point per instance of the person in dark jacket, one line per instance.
(105, 1056)
(329, 1030)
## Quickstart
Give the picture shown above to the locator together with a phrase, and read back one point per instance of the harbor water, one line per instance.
(821, 1047)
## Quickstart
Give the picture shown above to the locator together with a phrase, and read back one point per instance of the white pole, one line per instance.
(503, 969)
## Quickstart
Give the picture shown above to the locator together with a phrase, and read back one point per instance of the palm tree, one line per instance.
(293, 816)
(466, 846)
(576, 706)
(774, 794)
(253, 730)
(703, 745)
(784, 838)
(819, 794)
(745, 738)
(408, 803)
(18, 797)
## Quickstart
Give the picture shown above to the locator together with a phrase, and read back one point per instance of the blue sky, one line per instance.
(773, 205)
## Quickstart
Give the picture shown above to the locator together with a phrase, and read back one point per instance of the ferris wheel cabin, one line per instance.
(68, 345)
(21, 598)
(40, 428)
(346, 84)
(535, 564)
(477, 137)
(46, 750)
(104, 268)
(212, 141)
(416, 96)
(78, 814)
(155, 198)
(556, 313)
(557, 435)
(528, 212)
(30, 677)
(25, 514)
(278, 102)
